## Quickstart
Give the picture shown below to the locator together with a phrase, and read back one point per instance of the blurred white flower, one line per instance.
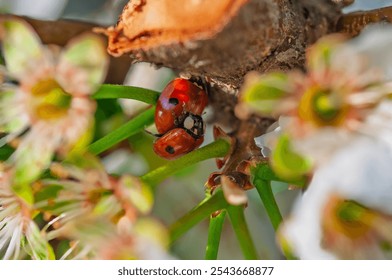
(374, 43)
(345, 93)
(346, 212)
(92, 192)
(50, 109)
(379, 123)
(97, 238)
(19, 234)
(338, 92)
(147, 239)
(103, 216)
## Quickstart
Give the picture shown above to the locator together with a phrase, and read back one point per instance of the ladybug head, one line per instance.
(193, 124)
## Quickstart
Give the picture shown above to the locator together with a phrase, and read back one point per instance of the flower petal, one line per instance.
(21, 47)
(379, 122)
(375, 43)
(38, 247)
(153, 230)
(83, 64)
(267, 141)
(286, 162)
(319, 56)
(138, 193)
(13, 118)
(262, 94)
(360, 172)
(32, 157)
(320, 146)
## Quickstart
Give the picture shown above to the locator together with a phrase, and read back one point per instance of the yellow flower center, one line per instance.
(322, 107)
(352, 219)
(51, 101)
(349, 226)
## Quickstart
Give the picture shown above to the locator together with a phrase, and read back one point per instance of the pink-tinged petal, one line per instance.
(262, 94)
(319, 56)
(137, 193)
(13, 117)
(374, 43)
(77, 138)
(38, 247)
(11, 234)
(33, 155)
(21, 47)
(83, 65)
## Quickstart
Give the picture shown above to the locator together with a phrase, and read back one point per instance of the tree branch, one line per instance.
(249, 35)
(261, 35)
(353, 23)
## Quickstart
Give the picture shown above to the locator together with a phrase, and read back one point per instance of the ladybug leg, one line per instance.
(206, 86)
(196, 80)
(202, 82)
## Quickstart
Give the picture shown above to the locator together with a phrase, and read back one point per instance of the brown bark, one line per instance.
(353, 23)
(261, 35)
(248, 35)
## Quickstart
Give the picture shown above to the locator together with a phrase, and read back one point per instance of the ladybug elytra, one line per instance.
(178, 97)
(175, 143)
(178, 119)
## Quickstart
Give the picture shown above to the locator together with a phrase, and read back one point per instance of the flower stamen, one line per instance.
(51, 100)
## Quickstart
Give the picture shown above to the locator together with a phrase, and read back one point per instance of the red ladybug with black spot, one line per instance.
(175, 143)
(178, 119)
(179, 97)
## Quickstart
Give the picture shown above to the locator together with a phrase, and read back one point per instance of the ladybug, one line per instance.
(175, 143)
(181, 140)
(177, 99)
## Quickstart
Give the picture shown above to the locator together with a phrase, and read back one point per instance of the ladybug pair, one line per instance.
(178, 119)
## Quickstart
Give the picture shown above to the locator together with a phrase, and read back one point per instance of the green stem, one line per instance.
(196, 215)
(219, 148)
(108, 91)
(128, 129)
(214, 235)
(261, 176)
(267, 197)
(263, 171)
(237, 218)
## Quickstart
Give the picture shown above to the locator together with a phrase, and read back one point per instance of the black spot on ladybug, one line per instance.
(170, 150)
(173, 101)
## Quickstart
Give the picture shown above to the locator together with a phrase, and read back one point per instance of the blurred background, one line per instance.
(177, 195)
